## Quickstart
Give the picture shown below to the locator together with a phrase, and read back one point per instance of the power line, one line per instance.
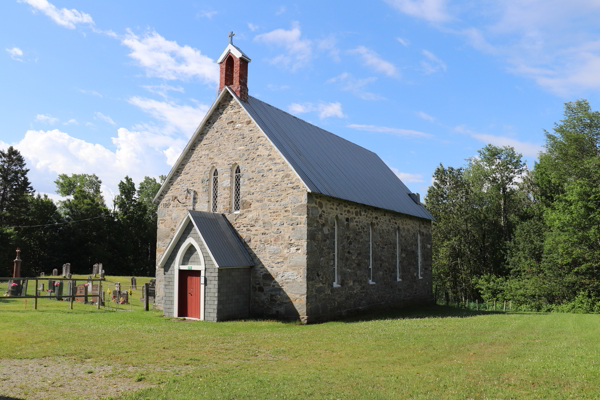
(56, 223)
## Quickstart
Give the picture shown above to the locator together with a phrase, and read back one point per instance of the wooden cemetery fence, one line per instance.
(54, 287)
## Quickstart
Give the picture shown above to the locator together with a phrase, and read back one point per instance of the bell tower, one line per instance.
(234, 69)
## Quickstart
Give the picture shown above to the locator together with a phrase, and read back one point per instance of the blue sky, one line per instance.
(117, 88)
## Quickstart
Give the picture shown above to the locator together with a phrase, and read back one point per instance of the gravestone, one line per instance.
(54, 272)
(133, 283)
(41, 288)
(51, 285)
(82, 290)
(118, 286)
(42, 274)
(95, 269)
(66, 269)
(101, 273)
(70, 275)
(59, 290)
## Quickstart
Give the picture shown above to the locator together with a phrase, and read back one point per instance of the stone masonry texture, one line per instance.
(272, 221)
(355, 293)
(289, 233)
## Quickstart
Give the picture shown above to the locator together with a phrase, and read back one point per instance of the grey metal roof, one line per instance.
(222, 240)
(331, 165)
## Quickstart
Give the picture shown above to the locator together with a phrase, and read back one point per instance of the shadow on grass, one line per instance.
(436, 311)
(10, 398)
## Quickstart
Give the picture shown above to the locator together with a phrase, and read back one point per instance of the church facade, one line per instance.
(265, 215)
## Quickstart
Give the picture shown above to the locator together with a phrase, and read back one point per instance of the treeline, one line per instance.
(80, 230)
(503, 232)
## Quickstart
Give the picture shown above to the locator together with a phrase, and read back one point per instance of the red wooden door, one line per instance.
(189, 294)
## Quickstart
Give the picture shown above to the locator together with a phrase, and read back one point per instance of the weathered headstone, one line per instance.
(50, 285)
(95, 269)
(54, 272)
(118, 286)
(124, 298)
(41, 288)
(69, 275)
(133, 283)
(101, 273)
(82, 290)
(59, 290)
(42, 274)
(66, 269)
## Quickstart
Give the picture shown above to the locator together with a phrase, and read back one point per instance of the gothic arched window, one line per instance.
(215, 190)
(237, 189)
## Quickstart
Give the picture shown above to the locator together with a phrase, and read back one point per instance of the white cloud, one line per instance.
(281, 10)
(92, 92)
(329, 44)
(137, 154)
(89, 124)
(373, 60)
(406, 177)
(46, 119)
(163, 90)
(253, 27)
(72, 121)
(298, 50)
(166, 59)
(389, 131)
(426, 116)
(64, 17)
(403, 42)
(182, 118)
(434, 65)
(429, 10)
(357, 87)
(276, 88)
(105, 118)
(15, 53)
(207, 14)
(325, 110)
(525, 148)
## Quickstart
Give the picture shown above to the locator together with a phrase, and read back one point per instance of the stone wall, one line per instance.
(272, 221)
(355, 292)
(234, 293)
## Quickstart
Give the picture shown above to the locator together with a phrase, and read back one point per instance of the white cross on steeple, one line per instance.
(231, 35)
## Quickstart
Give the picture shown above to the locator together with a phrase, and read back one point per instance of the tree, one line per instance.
(568, 176)
(14, 186)
(67, 185)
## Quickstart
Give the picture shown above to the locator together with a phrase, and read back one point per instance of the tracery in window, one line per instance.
(215, 190)
(237, 181)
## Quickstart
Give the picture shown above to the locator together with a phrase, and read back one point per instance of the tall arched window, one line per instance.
(215, 190)
(336, 274)
(398, 271)
(371, 254)
(419, 254)
(237, 188)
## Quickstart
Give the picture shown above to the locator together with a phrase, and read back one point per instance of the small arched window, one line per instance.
(237, 188)
(215, 190)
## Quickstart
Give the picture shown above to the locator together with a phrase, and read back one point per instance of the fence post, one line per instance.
(36, 295)
(477, 304)
(146, 297)
(504, 305)
(99, 294)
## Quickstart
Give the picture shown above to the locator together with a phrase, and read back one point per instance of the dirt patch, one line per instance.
(55, 378)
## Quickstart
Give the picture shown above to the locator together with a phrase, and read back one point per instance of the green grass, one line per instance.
(429, 353)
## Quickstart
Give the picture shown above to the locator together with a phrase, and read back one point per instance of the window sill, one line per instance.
(398, 280)
(371, 282)
(420, 277)
(337, 285)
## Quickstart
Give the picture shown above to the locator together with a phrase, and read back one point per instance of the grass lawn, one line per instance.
(429, 353)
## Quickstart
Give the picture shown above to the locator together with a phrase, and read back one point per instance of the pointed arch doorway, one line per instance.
(189, 281)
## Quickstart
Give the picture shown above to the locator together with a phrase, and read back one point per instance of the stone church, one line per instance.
(266, 215)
